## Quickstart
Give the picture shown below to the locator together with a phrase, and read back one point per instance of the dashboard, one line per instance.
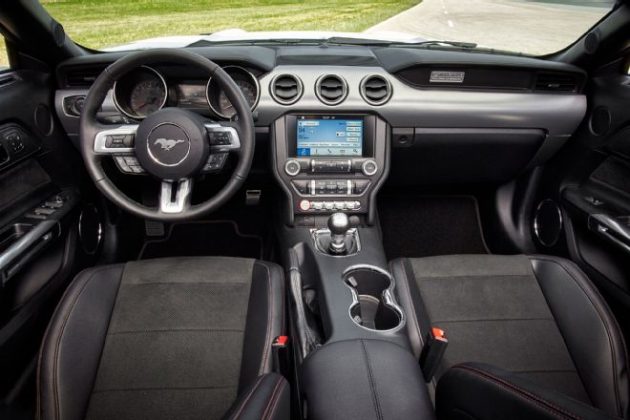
(448, 117)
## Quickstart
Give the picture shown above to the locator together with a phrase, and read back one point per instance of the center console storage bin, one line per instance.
(364, 379)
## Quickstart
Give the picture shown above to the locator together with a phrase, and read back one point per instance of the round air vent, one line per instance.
(286, 89)
(375, 89)
(331, 89)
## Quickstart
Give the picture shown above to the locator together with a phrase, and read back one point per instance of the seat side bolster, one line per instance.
(475, 390)
(73, 344)
(266, 399)
(418, 323)
(590, 331)
(265, 321)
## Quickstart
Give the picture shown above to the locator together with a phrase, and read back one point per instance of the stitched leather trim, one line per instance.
(377, 405)
(59, 337)
(411, 314)
(270, 306)
(273, 401)
(523, 393)
(603, 313)
(246, 400)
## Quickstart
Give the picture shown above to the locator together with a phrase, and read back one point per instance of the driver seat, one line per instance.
(172, 338)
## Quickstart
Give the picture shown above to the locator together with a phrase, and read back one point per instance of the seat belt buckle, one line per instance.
(279, 354)
(432, 352)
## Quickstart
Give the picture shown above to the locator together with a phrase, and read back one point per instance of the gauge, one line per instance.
(218, 100)
(140, 92)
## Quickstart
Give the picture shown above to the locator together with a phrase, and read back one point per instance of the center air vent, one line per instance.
(286, 89)
(556, 82)
(331, 89)
(375, 89)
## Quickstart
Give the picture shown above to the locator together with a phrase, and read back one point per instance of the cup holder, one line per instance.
(373, 304)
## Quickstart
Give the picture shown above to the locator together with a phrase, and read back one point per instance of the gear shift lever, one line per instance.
(338, 224)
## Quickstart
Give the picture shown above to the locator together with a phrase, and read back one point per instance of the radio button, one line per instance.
(292, 167)
(369, 167)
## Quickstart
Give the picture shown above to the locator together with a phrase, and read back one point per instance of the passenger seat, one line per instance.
(516, 321)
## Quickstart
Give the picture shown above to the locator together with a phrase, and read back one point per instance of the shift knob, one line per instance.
(338, 223)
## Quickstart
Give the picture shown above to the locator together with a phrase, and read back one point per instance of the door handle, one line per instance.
(611, 229)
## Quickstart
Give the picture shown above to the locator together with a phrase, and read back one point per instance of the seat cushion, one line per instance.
(166, 338)
(538, 317)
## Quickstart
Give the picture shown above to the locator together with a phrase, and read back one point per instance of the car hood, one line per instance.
(238, 35)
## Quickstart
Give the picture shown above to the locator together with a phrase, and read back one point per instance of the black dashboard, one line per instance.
(449, 116)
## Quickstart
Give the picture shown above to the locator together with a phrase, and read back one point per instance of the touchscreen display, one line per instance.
(329, 136)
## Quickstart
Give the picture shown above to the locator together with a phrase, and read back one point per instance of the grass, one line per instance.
(98, 24)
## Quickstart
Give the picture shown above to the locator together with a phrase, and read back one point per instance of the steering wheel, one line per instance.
(172, 144)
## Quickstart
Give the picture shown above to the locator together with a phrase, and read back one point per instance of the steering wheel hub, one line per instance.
(172, 144)
(168, 144)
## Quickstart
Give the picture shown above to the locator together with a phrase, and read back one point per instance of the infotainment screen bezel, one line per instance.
(369, 123)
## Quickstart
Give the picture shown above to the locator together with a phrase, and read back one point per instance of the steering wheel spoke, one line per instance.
(175, 196)
(115, 141)
(223, 138)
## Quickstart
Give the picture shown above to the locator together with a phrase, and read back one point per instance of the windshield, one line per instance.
(532, 27)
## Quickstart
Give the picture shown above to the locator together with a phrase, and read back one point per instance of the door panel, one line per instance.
(40, 173)
(592, 183)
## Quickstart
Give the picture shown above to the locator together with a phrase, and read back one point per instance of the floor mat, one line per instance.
(204, 238)
(421, 226)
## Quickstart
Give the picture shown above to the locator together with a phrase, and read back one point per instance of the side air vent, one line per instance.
(556, 82)
(331, 89)
(375, 89)
(83, 77)
(286, 89)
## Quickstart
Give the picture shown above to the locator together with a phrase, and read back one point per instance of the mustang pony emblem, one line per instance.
(167, 144)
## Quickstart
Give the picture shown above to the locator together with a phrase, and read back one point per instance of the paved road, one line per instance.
(533, 27)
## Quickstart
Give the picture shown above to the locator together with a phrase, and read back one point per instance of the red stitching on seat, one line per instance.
(272, 399)
(246, 400)
(542, 403)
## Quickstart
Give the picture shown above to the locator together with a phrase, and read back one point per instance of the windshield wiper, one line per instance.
(365, 42)
(458, 44)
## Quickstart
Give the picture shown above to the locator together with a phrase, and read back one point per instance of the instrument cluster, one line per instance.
(145, 90)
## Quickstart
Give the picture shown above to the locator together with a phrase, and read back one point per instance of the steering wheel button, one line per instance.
(128, 140)
(122, 165)
(220, 138)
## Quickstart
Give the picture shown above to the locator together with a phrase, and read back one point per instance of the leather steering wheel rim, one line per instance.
(90, 127)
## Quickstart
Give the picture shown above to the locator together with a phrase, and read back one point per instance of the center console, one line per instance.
(328, 163)
(345, 315)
